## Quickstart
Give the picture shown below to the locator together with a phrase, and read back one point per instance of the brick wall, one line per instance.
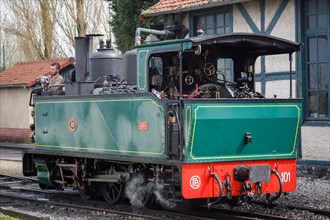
(17, 135)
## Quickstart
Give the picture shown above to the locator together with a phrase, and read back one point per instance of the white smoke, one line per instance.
(160, 198)
(137, 189)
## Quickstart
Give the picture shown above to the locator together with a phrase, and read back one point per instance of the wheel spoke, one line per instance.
(116, 188)
(111, 192)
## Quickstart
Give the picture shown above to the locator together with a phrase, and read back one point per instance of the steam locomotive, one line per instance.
(173, 121)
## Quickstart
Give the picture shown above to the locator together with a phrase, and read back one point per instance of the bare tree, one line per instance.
(81, 22)
(34, 28)
(79, 17)
(21, 35)
(47, 28)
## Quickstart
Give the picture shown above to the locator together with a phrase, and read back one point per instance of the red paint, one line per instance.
(72, 125)
(143, 126)
(198, 183)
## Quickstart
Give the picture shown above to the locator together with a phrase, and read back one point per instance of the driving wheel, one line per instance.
(112, 192)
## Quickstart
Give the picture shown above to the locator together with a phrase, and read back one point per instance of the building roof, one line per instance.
(175, 6)
(25, 73)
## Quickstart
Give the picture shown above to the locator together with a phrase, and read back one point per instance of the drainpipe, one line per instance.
(149, 31)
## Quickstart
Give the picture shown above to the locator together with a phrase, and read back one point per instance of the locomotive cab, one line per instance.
(212, 66)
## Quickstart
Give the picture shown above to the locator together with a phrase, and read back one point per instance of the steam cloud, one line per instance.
(160, 198)
(136, 191)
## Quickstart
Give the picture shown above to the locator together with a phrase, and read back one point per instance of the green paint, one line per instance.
(142, 63)
(186, 46)
(187, 124)
(216, 131)
(106, 125)
(169, 43)
(43, 173)
(145, 50)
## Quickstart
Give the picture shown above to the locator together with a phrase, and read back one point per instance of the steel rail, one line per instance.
(87, 208)
(22, 214)
(291, 207)
(151, 213)
(241, 214)
(18, 177)
(315, 211)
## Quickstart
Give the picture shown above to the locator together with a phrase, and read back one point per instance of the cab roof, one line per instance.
(236, 44)
(245, 43)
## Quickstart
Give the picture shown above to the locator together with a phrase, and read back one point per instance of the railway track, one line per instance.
(80, 207)
(291, 207)
(7, 177)
(15, 187)
(12, 191)
(12, 160)
(214, 214)
(156, 214)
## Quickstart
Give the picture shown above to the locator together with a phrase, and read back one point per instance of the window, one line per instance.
(219, 23)
(156, 64)
(317, 59)
(155, 71)
(225, 68)
(213, 23)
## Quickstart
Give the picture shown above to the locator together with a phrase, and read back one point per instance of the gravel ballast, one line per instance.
(311, 192)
